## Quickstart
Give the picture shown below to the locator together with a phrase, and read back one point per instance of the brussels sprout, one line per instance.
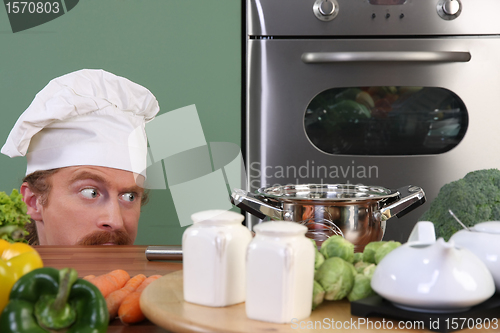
(361, 288)
(354, 272)
(369, 270)
(369, 251)
(313, 242)
(336, 276)
(358, 256)
(338, 246)
(383, 250)
(318, 295)
(318, 260)
(360, 266)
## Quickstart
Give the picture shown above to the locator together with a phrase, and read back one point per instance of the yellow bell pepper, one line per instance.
(16, 259)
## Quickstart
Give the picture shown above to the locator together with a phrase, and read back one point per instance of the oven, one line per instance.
(373, 92)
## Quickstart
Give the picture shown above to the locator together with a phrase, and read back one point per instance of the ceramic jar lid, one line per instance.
(217, 216)
(491, 227)
(281, 228)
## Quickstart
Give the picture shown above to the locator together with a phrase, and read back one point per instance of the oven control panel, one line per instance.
(372, 17)
(327, 10)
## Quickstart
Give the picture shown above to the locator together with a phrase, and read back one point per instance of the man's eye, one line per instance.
(129, 196)
(89, 193)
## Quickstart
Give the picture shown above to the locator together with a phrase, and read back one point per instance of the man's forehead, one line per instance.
(102, 174)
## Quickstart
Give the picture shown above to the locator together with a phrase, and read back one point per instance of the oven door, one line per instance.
(438, 121)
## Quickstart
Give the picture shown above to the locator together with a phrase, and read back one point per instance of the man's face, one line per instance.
(91, 205)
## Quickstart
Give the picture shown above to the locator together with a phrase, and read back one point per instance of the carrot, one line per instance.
(109, 282)
(130, 310)
(147, 282)
(115, 298)
(88, 277)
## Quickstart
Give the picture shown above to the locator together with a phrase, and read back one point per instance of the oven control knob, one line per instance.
(326, 10)
(449, 9)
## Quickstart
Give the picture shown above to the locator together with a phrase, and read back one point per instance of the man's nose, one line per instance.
(111, 218)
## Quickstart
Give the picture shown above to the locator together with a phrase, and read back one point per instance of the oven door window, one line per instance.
(386, 121)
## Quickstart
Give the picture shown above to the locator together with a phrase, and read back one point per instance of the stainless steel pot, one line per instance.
(357, 212)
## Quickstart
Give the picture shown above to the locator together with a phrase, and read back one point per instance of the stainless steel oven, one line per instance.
(373, 92)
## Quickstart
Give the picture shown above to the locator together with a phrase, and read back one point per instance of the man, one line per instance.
(85, 142)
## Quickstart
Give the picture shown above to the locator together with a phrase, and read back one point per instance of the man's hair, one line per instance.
(39, 183)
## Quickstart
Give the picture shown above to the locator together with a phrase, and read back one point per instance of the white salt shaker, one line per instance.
(280, 273)
(213, 251)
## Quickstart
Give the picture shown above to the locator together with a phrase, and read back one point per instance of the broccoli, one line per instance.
(474, 199)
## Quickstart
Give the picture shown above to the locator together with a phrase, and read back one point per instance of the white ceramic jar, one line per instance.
(280, 273)
(483, 240)
(433, 277)
(213, 251)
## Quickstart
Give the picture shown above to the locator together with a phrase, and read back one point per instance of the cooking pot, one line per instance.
(357, 212)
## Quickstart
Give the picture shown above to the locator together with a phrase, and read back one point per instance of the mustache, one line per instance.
(118, 237)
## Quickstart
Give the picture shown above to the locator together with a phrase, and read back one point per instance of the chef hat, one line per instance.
(88, 117)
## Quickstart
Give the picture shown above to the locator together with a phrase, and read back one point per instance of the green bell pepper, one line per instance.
(51, 300)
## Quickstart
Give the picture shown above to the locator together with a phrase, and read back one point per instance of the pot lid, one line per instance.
(327, 192)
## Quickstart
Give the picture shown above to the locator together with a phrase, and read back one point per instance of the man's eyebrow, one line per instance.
(134, 189)
(84, 175)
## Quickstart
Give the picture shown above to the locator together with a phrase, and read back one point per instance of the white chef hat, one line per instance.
(88, 117)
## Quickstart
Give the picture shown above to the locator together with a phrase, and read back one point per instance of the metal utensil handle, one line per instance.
(410, 198)
(166, 252)
(458, 220)
(254, 206)
(396, 56)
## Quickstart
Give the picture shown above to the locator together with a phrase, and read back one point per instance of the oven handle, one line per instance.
(417, 56)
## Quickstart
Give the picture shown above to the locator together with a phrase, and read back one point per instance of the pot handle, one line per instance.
(410, 198)
(248, 202)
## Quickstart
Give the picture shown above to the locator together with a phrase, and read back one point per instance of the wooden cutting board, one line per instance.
(163, 303)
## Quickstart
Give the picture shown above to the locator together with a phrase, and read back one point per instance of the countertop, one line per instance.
(98, 260)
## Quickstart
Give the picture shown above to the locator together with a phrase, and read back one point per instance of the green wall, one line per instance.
(184, 52)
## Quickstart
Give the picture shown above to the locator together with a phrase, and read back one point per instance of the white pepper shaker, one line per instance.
(280, 273)
(214, 250)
